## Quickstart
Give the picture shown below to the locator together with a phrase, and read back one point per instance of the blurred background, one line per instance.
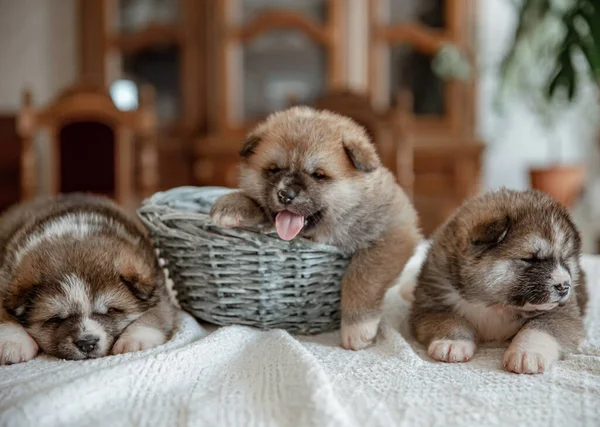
(129, 97)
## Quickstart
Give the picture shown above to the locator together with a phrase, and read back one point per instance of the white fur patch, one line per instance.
(77, 225)
(540, 246)
(531, 352)
(92, 327)
(492, 323)
(138, 338)
(410, 274)
(560, 239)
(356, 336)
(77, 294)
(560, 275)
(501, 272)
(452, 351)
(16, 345)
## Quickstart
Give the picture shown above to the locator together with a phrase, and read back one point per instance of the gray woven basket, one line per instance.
(243, 276)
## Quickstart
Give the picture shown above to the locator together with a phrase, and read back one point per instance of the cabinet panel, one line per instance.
(280, 68)
(136, 15)
(249, 10)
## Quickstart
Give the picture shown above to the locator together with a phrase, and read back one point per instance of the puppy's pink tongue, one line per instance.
(288, 224)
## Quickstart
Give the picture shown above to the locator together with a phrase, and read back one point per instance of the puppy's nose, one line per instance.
(563, 288)
(286, 195)
(87, 344)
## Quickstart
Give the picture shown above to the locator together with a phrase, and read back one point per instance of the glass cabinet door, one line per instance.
(280, 68)
(279, 54)
(137, 15)
(147, 42)
(409, 50)
(248, 10)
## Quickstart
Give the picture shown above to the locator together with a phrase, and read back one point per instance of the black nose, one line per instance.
(286, 196)
(87, 344)
(562, 288)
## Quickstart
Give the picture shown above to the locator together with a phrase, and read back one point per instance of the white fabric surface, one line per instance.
(238, 376)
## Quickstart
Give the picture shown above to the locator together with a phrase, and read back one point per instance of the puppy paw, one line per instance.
(451, 351)
(358, 335)
(16, 345)
(226, 219)
(138, 338)
(235, 210)
(522, 362)
(531, 352)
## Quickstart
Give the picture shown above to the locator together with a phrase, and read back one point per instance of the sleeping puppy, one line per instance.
(315, 174)
(78, 279)
(506, 265)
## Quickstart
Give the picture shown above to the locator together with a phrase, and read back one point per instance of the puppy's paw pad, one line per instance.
(20, 348)
(356, 336)
(525, 362)
(138, 339)
(452, 351)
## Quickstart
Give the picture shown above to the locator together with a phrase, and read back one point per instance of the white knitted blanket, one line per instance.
(238, 376)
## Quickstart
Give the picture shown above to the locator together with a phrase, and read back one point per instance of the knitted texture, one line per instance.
(240, 376)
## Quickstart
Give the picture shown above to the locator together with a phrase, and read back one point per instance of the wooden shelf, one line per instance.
(154, 35)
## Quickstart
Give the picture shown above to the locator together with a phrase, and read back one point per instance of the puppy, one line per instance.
(78, 278)
(315, 174)
(506, 265)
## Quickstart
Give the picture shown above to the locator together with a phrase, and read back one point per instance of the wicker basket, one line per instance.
(243, 276)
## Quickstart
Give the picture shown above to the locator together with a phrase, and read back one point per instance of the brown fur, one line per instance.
(58, 287)
(352, 201)
(496, 258)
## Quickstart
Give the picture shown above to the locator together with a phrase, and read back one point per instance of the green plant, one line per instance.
(578, 33)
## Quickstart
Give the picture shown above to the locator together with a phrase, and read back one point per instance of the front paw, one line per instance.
(235, 210)
(138, 338)
(225, 218)
(531, 352)
(359, 335)
(16, 345)
(452, 351)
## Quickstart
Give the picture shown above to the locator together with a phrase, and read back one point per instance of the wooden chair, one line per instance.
(388, 130)
(83, 142)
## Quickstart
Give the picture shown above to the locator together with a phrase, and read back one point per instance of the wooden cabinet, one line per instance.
(156, 42)
(219, 66)
(272, 53)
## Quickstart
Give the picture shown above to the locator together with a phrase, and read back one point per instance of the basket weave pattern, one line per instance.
(243, 276)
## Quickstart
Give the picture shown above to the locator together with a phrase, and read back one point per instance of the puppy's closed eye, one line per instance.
(319, 175)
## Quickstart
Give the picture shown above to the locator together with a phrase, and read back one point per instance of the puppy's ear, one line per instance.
(22, 287)
(18, 300)
(135, 275)
(249, 146)
(362, 154)
(491, 233)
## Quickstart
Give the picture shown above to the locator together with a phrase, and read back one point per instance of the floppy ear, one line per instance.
(248, 146)
(362, 154)
(17, 301)
(135, 276)
(491, 233)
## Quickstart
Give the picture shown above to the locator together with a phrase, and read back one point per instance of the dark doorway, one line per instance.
(87, 158)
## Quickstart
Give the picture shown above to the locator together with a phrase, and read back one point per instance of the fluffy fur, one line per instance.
(505, 266)
(347, 198)
(78, 278)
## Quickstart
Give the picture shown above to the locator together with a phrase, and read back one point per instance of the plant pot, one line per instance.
(563, 183)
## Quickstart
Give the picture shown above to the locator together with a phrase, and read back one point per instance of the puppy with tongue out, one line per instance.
(316, 174)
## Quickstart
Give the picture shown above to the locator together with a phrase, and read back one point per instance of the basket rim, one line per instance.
(156, 205)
